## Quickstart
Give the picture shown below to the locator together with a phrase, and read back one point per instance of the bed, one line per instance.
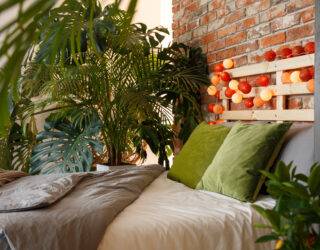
(171, 216)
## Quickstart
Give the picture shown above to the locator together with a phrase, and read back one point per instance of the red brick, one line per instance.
(193, 6)
(216, 45)
(294, 5)
(240, 61)
(300, 32)
(243, 3)
(247, 47)
(211, 58)
(209, 17)
(227, 53)
(273, 40)
(227, 30)
(215, 4)
(209, 38)
(235, 16)
(307, 15)
(192, 25)
(235, 39)
(175, 8)
(247, 23)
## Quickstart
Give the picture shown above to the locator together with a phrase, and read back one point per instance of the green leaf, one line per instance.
(266, 238)
(4, 112)
(314, 181)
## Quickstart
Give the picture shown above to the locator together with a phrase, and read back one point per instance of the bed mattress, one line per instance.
(171, 216)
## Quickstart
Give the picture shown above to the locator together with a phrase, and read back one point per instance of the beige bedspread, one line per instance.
(171, 216)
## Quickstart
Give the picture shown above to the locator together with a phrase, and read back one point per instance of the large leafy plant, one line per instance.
(116, 79)
(295, 219)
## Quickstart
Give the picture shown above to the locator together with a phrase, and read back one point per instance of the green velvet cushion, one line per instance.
(198, 152)
(246, 150)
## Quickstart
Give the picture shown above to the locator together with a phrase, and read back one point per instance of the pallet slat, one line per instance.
(270, 115)
(279, 90)
(269, 67)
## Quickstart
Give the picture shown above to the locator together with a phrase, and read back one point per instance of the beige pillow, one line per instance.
(7, 176)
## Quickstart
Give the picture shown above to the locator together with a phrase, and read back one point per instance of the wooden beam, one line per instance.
(278, 90)
(317, 85)
(270, 115)
(269, 67)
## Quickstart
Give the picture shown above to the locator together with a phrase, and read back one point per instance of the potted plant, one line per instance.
(295, 219)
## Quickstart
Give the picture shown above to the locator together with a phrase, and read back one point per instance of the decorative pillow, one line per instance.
(246, 150)
(198, 152)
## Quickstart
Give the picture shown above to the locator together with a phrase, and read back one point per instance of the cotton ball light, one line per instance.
(215, 79)
(233, 84)
(228, 63)
(218, 109)
(310, 85)
(212, 90)
(295, 76)
(258, 102)
(237, 98)
(266, 95)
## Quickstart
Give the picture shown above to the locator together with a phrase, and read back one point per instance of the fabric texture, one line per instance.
(299, 147)
(172, 216)
(7, 176)
(246, 150)
(78, 220)
(198, 152)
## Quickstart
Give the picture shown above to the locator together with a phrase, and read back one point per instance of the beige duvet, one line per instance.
(170, 216)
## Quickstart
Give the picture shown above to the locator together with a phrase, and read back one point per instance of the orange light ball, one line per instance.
(229, 92)
(225, 76)
(285, 78)
(211, 123)
(212, 90)
(295, 76)
(244, 87)
(237, 98)
(310, 85)
(218, 109)
(258, 102)
(215, 79)
(210, 107)
(311, 71)
(228, 63)
(305, 75)
(270, 55)
(233, 84)
(309, 48)
(266, 95)
(248, 103)
(220, 121)
(263, 81)
(218, 68)
(297, 50)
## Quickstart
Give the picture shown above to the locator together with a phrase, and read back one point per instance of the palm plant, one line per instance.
(108, 93)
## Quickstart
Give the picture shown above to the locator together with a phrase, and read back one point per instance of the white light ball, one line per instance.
(233, 84)
(212, 90)
(237, 98)
(295, 76)
(228, 63)
(266, 94)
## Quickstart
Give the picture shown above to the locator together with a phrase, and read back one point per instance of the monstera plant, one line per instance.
(295, 219)
(108, 88)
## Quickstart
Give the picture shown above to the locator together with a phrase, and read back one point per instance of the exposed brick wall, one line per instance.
(244, 30)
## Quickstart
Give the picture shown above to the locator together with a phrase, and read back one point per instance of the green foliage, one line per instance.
(59, 31)
(91, 66)
(296, 215)
(65, 147)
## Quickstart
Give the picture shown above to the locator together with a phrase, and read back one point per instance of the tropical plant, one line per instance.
(117, 89)
(55, 31)
(295, 219)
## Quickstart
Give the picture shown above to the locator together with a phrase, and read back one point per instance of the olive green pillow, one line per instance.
(198, 152)
(246, 150)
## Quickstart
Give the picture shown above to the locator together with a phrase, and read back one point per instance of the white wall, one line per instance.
(153, 13)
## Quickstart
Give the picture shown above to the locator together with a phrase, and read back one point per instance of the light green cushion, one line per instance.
(198, 152)
(246, 150)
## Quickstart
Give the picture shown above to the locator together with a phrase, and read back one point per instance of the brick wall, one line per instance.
(244, 30)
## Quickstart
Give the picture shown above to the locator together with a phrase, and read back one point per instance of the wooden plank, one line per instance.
(281, 99)
(317, 86)
(269, 67)
(278, 90)
(270, 115)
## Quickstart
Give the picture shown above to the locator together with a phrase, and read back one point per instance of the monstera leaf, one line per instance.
(65, 147)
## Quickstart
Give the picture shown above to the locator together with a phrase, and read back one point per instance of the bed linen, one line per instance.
(171, 216)
(79, 220)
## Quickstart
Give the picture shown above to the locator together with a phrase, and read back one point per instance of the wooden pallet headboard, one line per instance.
(280, 91)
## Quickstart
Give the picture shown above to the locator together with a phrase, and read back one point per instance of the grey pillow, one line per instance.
(299, 147)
